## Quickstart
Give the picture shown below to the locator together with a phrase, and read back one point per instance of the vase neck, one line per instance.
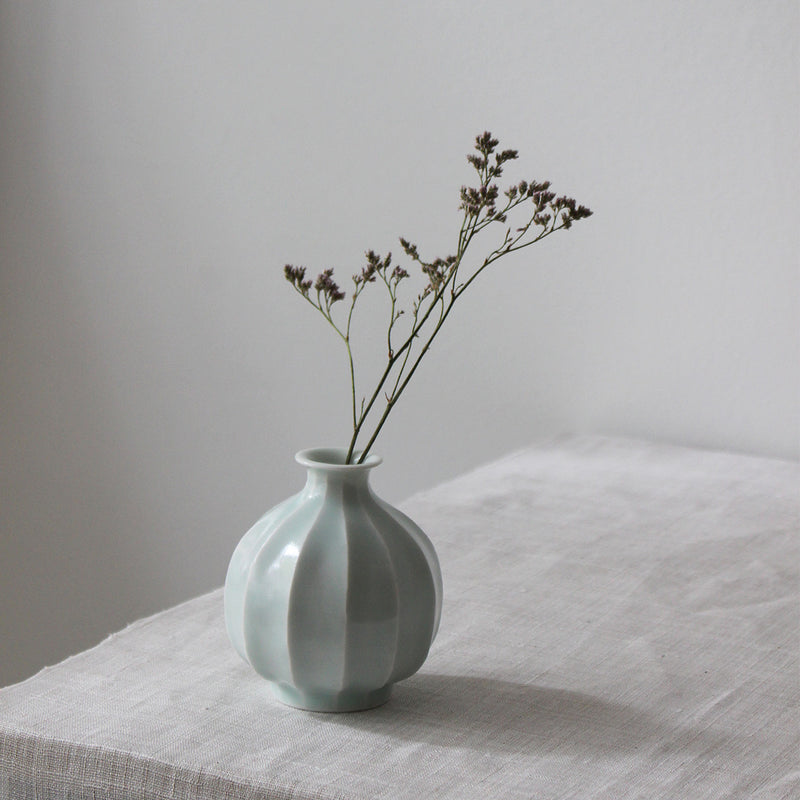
(326, 467)
(321, 480)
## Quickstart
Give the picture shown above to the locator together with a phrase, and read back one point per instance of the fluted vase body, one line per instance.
(333, 595)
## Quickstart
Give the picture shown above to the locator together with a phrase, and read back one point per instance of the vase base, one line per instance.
(336, 702)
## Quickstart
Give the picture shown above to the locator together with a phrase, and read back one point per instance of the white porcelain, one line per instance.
(333, 595)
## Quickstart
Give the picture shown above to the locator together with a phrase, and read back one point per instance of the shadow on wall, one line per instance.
(71, 516)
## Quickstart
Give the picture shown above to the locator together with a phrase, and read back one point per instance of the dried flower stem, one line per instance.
(548, 215)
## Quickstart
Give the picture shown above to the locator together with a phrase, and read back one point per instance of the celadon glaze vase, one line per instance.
(333, 595)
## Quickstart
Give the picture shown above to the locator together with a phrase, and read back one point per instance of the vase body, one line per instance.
(333, 595)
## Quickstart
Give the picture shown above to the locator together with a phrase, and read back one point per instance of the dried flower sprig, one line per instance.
(444, 281)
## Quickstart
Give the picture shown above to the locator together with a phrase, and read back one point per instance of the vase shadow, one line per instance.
(488, 714)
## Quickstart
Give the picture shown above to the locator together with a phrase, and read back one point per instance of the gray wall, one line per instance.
(160, 162)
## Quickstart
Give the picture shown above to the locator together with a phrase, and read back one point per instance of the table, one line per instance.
(620, 621)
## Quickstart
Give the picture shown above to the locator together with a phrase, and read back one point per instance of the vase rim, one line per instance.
(333, 458)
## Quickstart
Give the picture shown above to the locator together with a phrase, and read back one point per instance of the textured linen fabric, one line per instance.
(620, 621)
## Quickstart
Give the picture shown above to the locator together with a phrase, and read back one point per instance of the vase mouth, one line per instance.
(333, 458)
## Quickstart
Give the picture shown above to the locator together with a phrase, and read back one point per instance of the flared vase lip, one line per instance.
(333, 458)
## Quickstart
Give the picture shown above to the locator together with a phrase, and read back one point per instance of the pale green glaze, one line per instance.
(333, 595)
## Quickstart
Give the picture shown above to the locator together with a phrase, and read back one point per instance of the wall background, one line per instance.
(160, 162)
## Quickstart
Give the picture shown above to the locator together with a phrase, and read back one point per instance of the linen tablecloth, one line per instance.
(620, 621)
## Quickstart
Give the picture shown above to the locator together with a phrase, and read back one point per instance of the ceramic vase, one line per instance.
(333, 595)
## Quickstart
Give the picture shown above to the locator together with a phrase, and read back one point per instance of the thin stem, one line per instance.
(392, 318)
(391, 362)
(396, 395)
(445, 311)
(443, 287)
(405, 358)
(493, 257)
(325, 310)
(350, 355)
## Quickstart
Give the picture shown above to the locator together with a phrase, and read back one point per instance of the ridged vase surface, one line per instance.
(333, 595)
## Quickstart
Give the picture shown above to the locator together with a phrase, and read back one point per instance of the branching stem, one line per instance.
(549, 214)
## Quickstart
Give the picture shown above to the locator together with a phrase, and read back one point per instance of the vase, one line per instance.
(333, 595)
